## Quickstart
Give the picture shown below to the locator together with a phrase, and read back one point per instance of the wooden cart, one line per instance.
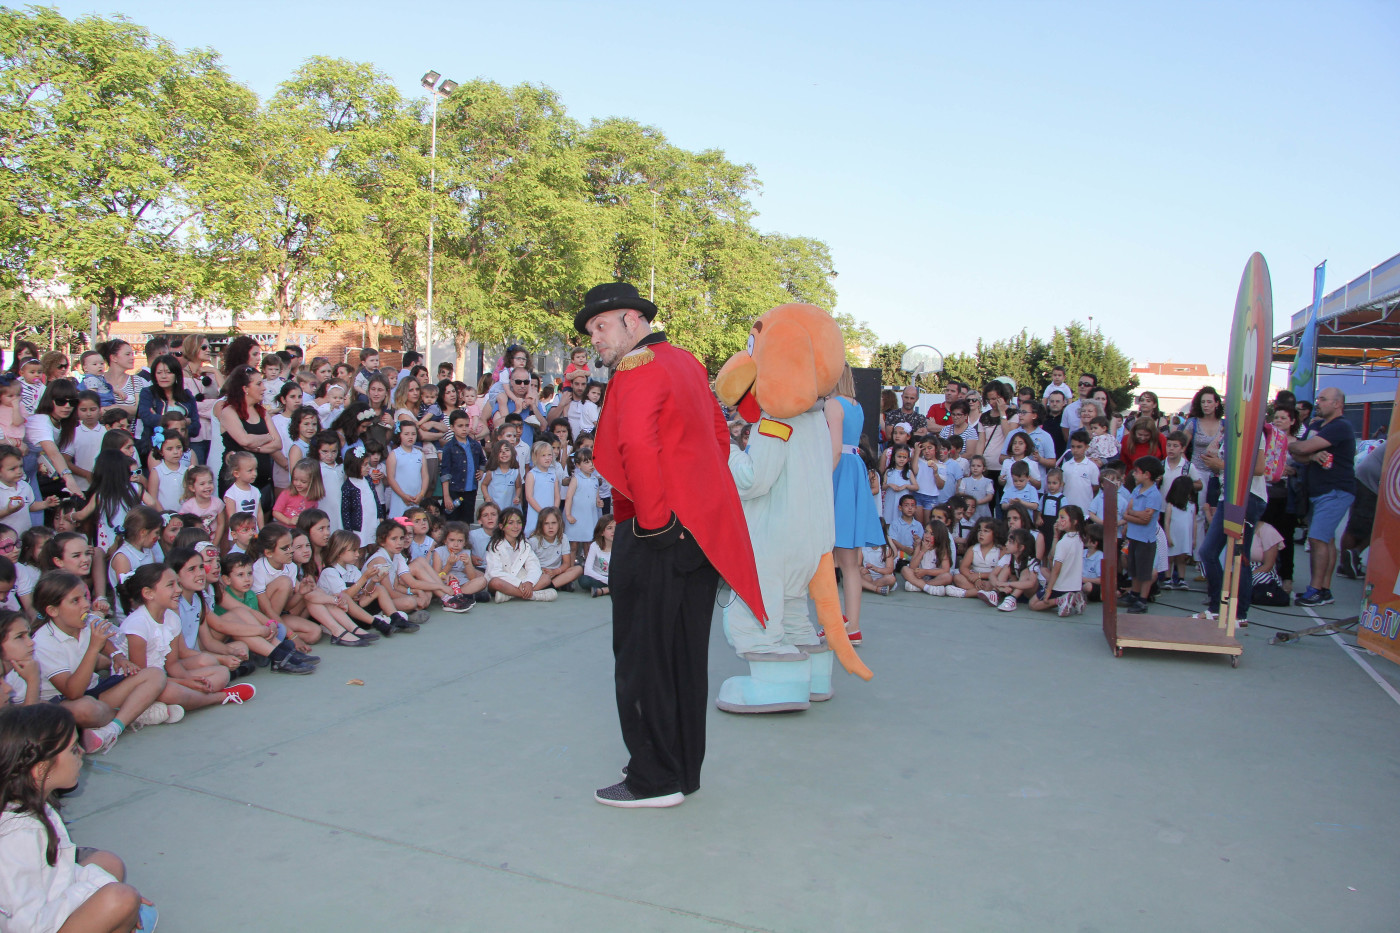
(1164, 633)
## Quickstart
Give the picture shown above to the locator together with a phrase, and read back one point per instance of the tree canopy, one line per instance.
(131, 172)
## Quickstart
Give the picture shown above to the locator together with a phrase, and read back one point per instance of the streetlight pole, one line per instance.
(436, 91)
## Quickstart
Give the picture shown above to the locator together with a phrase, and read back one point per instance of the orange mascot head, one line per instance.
(794, 357)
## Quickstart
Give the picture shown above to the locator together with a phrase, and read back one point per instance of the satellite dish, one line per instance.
(921, 360)
(1009, 381)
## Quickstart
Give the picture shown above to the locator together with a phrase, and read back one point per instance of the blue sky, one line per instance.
(976, 168)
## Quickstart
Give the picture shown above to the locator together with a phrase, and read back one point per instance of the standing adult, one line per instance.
(906, 413)
(1055, 402)
(49, 433)
(198, 372)
(1362, 518)
(156, 346)
(1329, 452)
(959, 424)
(1213, 542)
(663, 446)
(940, 413)
(520, 397)
(244, 426)
(857, 513)
(515, 357)
(124, 385)
(1280, 472)
(995, 427)
(1204, 430)
(165, 394)
(1070, 420)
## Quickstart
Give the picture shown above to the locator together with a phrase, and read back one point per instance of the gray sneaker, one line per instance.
(419, 616)
(618, 795)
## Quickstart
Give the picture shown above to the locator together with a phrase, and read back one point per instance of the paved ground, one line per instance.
(1002, 772)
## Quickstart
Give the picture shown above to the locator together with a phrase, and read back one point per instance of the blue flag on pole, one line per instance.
(1302, 375)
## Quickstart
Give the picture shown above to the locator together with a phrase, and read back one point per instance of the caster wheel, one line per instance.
(1117, 652)
(1234, 660)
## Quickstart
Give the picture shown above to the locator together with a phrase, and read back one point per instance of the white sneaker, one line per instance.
(936, 590)
(544, 596)
(108, 735)
(989, 597)
(956, 592)
(1008, 604)
(912, 588)
(500, 597)
(177, 713)
(157, 712)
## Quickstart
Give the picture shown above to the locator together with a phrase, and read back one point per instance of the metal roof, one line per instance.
(1358, 324)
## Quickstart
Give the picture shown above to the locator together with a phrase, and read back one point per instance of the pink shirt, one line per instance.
(208, 516)
(292, 504)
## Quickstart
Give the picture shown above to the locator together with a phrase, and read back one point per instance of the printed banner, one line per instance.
(1380, 607)
(1302, 375)
(1247, 388)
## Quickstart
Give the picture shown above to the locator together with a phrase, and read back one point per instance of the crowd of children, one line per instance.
(144, 575)
(997, 494)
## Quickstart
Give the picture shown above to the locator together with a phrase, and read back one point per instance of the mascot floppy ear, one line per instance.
(799, 353)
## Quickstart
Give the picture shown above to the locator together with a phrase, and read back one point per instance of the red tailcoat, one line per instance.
(664, 447)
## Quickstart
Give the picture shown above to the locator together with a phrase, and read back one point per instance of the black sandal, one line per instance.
(344, 643)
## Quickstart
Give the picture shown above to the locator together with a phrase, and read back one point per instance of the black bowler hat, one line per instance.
(609, 297)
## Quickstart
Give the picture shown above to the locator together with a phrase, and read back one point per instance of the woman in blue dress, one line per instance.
(857, 514)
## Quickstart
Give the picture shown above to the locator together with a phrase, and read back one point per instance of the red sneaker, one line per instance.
(854, 638)
(240, 694)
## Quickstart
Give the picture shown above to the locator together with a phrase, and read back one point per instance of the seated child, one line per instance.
(48, 883)
(595, 564)
(931, 568)
(512, 569)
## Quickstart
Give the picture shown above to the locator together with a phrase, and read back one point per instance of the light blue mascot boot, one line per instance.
(822, 658)
(776, 683)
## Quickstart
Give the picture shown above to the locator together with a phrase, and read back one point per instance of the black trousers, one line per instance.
(464, 509)
(663, 600)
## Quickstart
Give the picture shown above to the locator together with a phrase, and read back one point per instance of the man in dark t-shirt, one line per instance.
(1329, 453)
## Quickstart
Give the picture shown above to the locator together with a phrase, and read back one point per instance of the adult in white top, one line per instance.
(1070, 420)
(44, 431)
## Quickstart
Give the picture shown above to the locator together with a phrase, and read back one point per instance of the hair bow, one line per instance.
(158, 436)
(358, 448)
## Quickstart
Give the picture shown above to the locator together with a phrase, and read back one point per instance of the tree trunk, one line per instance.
(373, 325)
(462, 341)
(281, 303)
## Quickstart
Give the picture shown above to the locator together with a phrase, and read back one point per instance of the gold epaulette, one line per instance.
(770, 428)
(633, 360)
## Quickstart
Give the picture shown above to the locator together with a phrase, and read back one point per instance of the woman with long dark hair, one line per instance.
(23, 350)
(241, 351)
(994, 427)
(49, 432)
(165, 393)
(244, 426)
(124, 384)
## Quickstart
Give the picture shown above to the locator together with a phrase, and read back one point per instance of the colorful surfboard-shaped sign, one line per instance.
(1248, 380)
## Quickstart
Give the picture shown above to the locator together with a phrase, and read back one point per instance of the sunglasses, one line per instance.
(520, 382)
(57, 402)
(1086, 385)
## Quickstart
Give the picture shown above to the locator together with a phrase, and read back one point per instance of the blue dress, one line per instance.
(545, 484)
(501, 487)
(585, 507)
(857, 514)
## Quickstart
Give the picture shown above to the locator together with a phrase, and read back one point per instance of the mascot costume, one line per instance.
(794, 358)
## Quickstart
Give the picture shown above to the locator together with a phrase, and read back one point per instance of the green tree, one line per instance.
(111, 144)
(1028, 360)
(886, 359)
(517, 241)
(333, 200)
(684, 220)
(49, 323)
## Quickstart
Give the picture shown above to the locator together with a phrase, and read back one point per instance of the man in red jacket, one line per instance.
(663, 446)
